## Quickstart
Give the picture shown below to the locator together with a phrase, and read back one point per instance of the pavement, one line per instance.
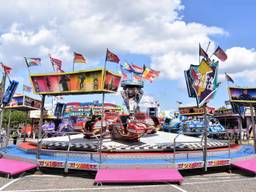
(194, 181)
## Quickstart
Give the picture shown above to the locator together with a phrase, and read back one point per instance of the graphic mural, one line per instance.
(75, 82)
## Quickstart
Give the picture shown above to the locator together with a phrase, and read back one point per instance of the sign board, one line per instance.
(217, 163)
(192, 165)
(202, 81)
(10, 92)
(81, 82)
(195, 111)
(242, 95)
(23, 102)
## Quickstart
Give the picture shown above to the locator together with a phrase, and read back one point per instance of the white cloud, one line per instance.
(36, 28)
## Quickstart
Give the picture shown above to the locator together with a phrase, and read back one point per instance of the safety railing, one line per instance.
(228, 142)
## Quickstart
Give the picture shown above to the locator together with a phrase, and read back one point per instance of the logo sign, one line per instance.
(193, 165)
(204, 80)
(10, 92)
(216, 163)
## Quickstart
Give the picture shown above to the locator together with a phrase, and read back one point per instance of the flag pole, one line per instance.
(102, 109)
(27, 65)
(208, 46)
(51, 62)
(73, 64)
(1, 104)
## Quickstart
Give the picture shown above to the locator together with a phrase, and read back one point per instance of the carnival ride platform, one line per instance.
(152, 158)
(160, 141)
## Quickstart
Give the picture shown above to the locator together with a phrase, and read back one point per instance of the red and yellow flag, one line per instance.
(79, 58)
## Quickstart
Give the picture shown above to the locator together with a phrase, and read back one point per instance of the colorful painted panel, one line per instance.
(24, 101)
(112, 81)
(242, 95)
(82, 82)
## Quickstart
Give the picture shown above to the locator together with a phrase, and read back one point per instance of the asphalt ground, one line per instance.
(51, 180)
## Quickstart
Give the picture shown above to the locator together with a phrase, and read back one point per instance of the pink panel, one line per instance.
(137, 175)
(248, 165)
(13, 167)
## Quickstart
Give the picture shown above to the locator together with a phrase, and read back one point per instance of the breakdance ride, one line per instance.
(113, 140)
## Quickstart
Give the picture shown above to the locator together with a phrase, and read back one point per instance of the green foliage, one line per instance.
(17, 117)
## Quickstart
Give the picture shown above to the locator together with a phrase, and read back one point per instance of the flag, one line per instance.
(137, 69)
(150, 74)
(6, 69)
(27, 88)
(32, 61)
(220, 54)
(124, 75)
(202, 52)
(112, 57)
(126, 67)
(228, 78)
(79, 58)
(56, 63)
(137, 77)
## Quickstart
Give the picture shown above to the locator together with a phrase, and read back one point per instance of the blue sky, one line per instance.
(164, 36)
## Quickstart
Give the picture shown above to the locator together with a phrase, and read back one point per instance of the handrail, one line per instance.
(202, 139)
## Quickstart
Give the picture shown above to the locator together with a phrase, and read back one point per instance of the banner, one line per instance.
(24, 101)
(82, 82)
(194, 110)
(189, 82)
(242, 95)
(203, 80)
(10, 92)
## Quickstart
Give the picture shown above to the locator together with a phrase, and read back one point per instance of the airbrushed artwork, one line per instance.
(75, 82)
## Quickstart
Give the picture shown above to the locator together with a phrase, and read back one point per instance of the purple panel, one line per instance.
(138, 175)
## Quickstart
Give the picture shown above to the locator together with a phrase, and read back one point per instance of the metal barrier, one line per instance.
(202, 139)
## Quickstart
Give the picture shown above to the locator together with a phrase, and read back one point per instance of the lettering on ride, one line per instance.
(51, 164)
(190, 165)
(82, 166)
(218, 163)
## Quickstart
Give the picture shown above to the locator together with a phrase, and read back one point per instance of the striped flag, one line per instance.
(6, 69)
(56, 63)
(79, 58)
(124, 75)
(137, 77)
(112, 57)
(32, 61)
(27, 88)
(137, 69)
(126, 67)
(150, 74)
(202, 52)
(220, 54)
